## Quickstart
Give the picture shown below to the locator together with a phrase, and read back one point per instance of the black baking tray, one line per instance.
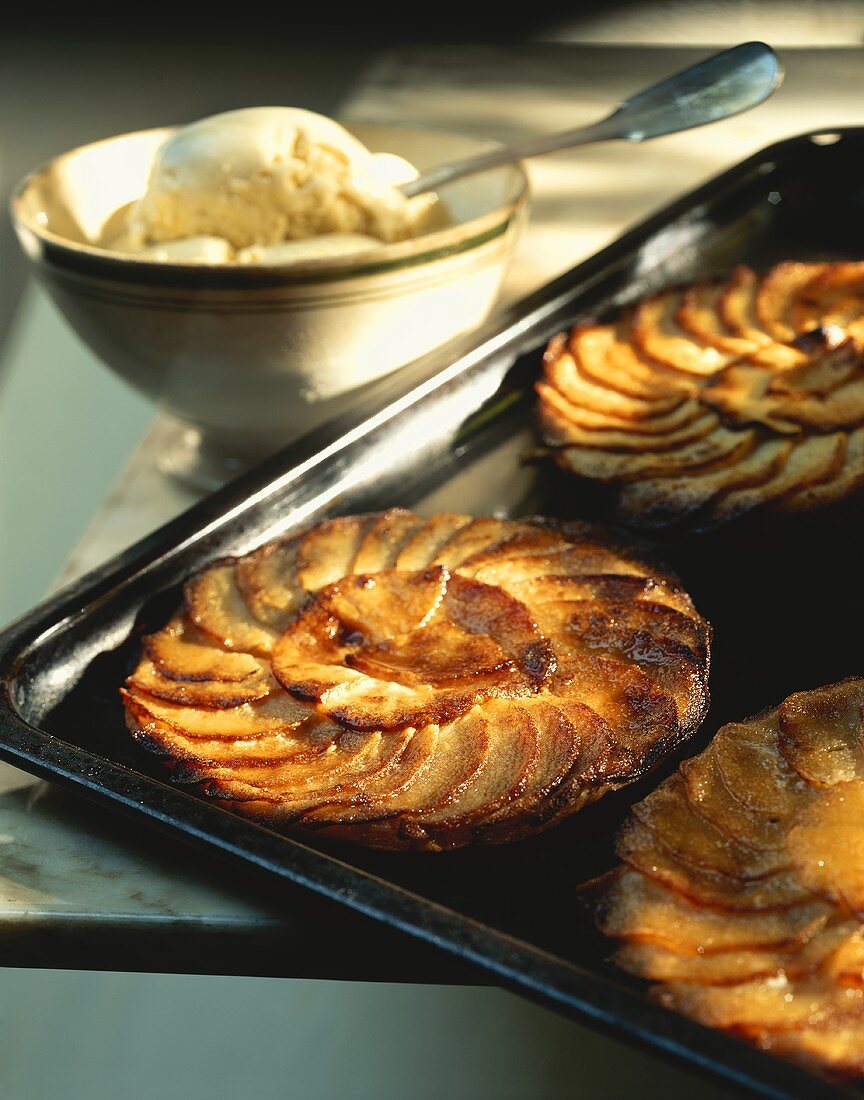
(456, 436)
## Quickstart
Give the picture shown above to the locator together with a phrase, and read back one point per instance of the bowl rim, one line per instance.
(55, 250)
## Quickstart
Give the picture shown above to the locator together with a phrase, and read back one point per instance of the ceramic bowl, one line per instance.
(248, 357)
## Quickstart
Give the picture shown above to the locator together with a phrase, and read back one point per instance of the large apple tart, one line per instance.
(719, 400)
(413, 683)
(742, 889)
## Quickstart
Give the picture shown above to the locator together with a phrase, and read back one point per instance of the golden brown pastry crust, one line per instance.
(426, 684)
(717, 401)
(742, 888)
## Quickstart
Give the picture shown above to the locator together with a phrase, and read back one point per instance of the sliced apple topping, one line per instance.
(709, 404)
(425, 684)
(742, 889)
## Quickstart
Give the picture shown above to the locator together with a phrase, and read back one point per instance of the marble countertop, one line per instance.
(71, 874)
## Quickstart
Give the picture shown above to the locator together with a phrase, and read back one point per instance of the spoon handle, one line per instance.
(724, 84)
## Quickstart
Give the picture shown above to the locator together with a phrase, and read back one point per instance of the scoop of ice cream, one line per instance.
(265, 175)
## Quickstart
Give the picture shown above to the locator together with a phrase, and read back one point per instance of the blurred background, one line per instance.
(68, 426)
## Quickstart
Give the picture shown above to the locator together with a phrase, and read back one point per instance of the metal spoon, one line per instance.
(724, 84)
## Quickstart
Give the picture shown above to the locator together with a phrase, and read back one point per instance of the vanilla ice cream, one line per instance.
(250, 185)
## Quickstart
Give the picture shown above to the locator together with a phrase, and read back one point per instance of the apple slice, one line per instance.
(326, 552)
(606, 357)
(376, 793)
(586, 419)
(737, 308)
(514, 756)
(820, 733)
(656, 333)
(559, 430)
(570, 740)
(199, 693)
(843, 486)
(720, 444)
(773, 1004)
(833, 297)
(636, 908)
(710, 798)
(385, 540)
(822, 374)
(562, 372)
(424, 544)
(277, 714)
(290, 786)
(643, 850)
(696, 842)
(180, 652)
(660, 501)
(810, 462)
(754, 770)
(826, 845)
(656, 963)
(699, 315)
(777, 294)
(836, 1046)
(474, 538)
(267, 580)
(216, 606)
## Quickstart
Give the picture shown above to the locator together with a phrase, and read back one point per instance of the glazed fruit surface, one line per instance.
(413, 683)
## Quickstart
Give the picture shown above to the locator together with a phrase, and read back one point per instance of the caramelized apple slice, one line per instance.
(777, 294)
(753, 769)
(275, 714)
(197, 757)
(348, 807)
(643, 850)
(737, 308)
(586, 420)
(837, 1046)
(699, 315)
(290, 786)
(560, 430)
(569, 742)
(216, 606)
(327, 551)
(267, 580)
(846, 965)
(385, 540)
(180, 652)
(696, 842)
(710, 798)
(650, 960)
(656, 502)
(820, 733)
(424, 544)
(779, 1004)
(657, 335)
(635, 908)
(513, 758)
(199, 693)
(833, 297)
(562, 373)
(826, 845)
(719, 445)
(809, 462)
(474, 538)
(606, 357)
(822, 374)
(844, 485)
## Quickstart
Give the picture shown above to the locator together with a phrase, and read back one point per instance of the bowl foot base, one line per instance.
(195, 462)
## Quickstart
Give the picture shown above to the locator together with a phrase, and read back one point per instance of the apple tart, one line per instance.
(741, 893)
(422, 684)
(719, 400)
